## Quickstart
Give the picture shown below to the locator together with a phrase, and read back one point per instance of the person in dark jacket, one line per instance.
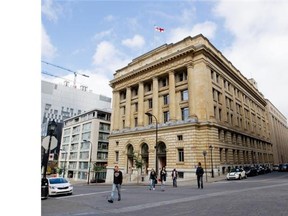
(163, 175)
(117, 182)
(153, 179)
(199, 173)
(174, 175)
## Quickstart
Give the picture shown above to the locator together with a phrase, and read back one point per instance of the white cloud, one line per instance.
(48, 51)
(50, 10)
(108, 59)
(260, 46)
(136, 42)
(103, 34)
(207, 28)
(98, 83)
(109, 18)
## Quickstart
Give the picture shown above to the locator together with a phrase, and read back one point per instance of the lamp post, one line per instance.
(204, 154)
(44, 182)
(156, 141)
(212, 171)
(89, 159)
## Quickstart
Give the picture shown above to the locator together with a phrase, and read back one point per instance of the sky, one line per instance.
(96, 38)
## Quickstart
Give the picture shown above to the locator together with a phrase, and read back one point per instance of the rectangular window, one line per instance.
(136, 107)
(163, 82)
(150, 103)
(149, 119)
(123, 95)
(116, 156)
(136, 121)
(184, 95)
(185, 113)
(148, 87)
(181, 155)
(166, 99)
(166, 116)
(179, 137)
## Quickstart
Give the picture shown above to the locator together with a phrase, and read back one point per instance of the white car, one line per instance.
(236, 173)
(59, 185)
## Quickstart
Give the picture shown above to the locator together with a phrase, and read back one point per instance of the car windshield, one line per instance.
(235, 170)
(57, 181)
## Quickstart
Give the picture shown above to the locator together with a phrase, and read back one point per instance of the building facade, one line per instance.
(179, 102)
(279, 133)
(60, 102)
(84, 145)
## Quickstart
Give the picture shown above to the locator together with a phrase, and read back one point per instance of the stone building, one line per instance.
(279, 133)
(190, 99)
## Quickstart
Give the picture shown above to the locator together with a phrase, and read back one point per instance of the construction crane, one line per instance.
(75, 73)
(66, 81)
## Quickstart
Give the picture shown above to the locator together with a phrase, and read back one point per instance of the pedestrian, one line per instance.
(153, 179)
(174, 175)
(163, 175)
(117, 182)
(199, 173)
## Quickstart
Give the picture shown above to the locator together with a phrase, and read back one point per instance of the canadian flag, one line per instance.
(159, 29)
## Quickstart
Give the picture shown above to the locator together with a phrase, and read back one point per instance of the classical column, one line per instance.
(141, 104)
(128, 108)
(172, 103)
(155, 97)
(116, 110)
(191, 90)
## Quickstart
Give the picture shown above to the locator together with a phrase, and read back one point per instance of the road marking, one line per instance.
(88, 194)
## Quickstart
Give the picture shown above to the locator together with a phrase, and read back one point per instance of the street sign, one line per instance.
(45, 142)
(51, 156)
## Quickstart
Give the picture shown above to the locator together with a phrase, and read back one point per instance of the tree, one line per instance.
(138, 164)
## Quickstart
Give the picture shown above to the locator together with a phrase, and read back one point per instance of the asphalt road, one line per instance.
(260, 195)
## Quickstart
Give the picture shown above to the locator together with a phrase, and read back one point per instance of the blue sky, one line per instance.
(98, 37)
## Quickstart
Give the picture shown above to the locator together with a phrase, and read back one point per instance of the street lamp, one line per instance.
(44, 182)
(156, 142)
(64, 162)
(204, 154)
(89, 159)
(212, 172)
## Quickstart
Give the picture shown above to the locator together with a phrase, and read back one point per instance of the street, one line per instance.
(260, 195)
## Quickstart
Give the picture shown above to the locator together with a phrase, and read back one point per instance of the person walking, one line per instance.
(199, 173)
(153, 179)
(117, 182)
(174, 175)
(163, 175)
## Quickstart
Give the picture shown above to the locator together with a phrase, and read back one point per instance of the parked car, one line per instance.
(283, 167)
(275, 167)
(59, 185)
(251, 171)
(236, 173)
(260, 170)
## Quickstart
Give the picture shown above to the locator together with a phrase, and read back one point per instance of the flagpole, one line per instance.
(154, 36)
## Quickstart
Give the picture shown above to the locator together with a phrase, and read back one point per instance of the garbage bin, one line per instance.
(44, 188)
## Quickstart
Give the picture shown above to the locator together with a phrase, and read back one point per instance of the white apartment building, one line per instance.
(84, 144)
